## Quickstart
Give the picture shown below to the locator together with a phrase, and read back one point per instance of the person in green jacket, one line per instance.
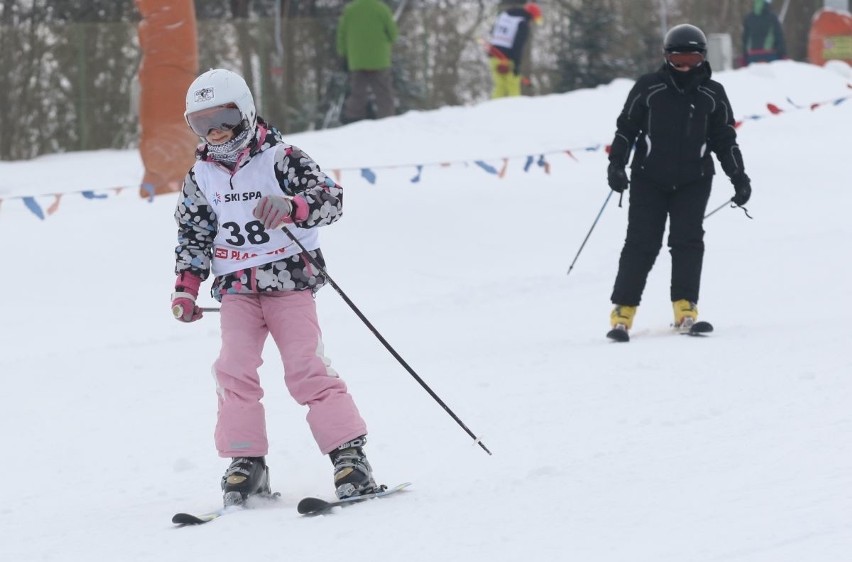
(365, 34)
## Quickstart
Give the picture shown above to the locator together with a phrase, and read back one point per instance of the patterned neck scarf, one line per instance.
(229, 151)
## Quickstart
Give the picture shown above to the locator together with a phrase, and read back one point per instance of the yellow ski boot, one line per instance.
(621, 320)
(685, 314)
(686, 319)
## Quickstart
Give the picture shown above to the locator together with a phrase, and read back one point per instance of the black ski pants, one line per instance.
(650, 205)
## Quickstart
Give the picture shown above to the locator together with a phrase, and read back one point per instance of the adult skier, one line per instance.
(672, 120)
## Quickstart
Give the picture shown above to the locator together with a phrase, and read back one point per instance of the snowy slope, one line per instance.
(733, 447)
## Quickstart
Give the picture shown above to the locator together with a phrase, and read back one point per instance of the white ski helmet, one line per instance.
(219, 87)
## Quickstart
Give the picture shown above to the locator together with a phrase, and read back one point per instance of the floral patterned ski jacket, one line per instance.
(317, 199)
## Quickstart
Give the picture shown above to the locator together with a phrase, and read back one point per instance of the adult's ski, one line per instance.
(618, 335)
(316, 506)
(700, 328)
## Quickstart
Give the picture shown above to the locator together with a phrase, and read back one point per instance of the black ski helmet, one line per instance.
(685, 38)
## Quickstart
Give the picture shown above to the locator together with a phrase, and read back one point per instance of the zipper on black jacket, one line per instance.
(689, 119)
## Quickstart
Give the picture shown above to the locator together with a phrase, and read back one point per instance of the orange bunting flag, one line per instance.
(503, 169)
(544, 164)
(55, 205)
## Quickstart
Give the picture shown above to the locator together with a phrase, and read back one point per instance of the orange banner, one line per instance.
(167, 35)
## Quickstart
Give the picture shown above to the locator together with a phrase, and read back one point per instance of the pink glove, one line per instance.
(274, 211)
(183, 299)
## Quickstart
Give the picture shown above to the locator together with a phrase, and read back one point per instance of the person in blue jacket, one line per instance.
(763, 36)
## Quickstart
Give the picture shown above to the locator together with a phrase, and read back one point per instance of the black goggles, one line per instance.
(685, 59)
(222, 118)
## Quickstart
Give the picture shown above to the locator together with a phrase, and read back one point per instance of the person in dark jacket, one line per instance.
(763, 37)
(672, 120)
(506, 47)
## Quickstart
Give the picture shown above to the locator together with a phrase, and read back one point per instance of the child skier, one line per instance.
(245, 187)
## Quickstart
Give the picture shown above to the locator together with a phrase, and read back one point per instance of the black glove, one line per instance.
(616, 177)
(742, 189)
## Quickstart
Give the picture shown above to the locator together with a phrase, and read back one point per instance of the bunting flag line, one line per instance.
(42, 212)
(777, 110)
(370, 175)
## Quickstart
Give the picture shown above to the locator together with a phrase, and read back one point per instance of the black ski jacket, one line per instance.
(674, 125)
(516, 52)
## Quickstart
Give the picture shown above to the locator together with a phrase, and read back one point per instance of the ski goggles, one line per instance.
(685, 59)
(221, 117)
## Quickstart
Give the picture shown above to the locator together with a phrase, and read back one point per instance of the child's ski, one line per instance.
(317, 506)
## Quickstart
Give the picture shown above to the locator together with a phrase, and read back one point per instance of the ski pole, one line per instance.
(208, 308)
(399, 10)
(589, 233)
(384, 342)
(783, 11)
(717, 209)
(723, 205)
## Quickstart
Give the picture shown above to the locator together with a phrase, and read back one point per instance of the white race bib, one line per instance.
(505, 30)
(241, 241)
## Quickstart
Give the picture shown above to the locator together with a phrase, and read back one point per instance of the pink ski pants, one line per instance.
(291, 318)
